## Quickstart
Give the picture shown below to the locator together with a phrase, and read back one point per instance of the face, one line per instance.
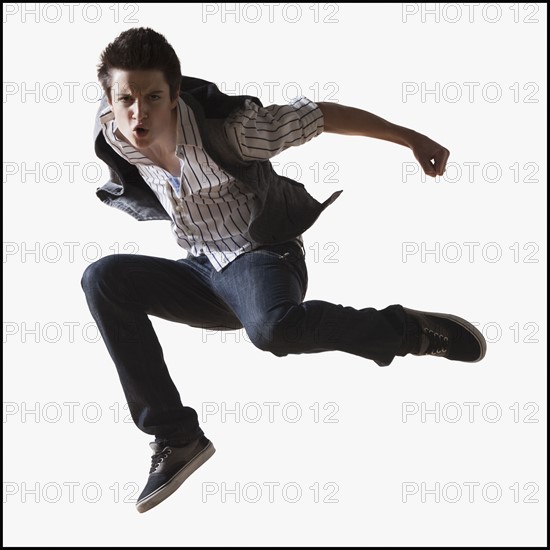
(142, 107)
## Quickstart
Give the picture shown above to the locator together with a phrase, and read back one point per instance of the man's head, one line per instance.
(140, 74)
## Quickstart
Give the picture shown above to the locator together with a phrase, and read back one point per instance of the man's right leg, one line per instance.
(122, 290)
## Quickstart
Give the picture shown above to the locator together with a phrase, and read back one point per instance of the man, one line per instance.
(179, 149)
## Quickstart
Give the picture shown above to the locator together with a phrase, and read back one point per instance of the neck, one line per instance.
(165, 147)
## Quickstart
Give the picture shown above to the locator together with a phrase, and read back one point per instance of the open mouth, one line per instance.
(140, 132)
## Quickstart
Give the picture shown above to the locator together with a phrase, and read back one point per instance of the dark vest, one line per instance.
(282, 209)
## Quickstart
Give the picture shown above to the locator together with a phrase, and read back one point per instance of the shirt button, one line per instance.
(179, 208)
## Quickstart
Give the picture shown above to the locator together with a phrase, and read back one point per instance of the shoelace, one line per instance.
(159, 457)
(437, 345)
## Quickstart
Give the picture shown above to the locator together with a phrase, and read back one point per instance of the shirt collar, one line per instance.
(106, 115)
(187, 129)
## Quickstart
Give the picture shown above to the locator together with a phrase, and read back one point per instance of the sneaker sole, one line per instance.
(175, 482)
(465, 325)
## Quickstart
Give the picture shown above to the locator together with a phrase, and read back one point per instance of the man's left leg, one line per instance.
(265, 289)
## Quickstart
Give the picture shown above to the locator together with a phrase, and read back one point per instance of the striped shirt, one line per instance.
(210, 209)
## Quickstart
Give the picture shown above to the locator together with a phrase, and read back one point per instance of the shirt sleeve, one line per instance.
(259, 133)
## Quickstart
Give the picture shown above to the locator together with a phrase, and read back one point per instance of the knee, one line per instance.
(104, 271)
(278, 335)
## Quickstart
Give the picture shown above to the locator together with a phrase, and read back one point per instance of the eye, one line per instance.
(154, 97)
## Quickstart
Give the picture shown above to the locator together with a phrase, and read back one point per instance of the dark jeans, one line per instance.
(261, 290)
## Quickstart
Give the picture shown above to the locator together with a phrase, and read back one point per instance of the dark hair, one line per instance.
(140, 49)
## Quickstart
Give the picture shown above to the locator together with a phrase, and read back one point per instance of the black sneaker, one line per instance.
(170, 467)
(443, 335)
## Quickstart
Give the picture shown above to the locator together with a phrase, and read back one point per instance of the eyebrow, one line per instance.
(124, 94)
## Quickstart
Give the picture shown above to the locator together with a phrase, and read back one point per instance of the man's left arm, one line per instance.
(341, 119)
(260, 133)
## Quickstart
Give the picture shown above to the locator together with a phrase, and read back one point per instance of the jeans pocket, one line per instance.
(290, 255)
(280, 255)
(290, 250)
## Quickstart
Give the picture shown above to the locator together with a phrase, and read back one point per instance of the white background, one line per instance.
(366, 57)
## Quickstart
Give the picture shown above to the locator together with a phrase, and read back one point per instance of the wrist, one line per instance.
(406, 137)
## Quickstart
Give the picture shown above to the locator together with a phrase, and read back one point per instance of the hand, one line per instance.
(430, 155)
